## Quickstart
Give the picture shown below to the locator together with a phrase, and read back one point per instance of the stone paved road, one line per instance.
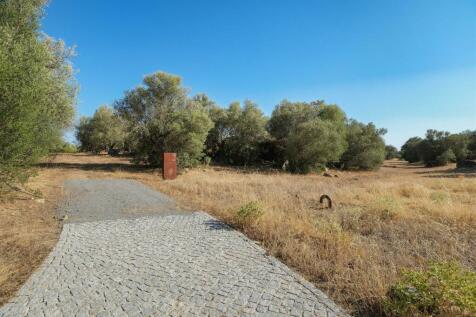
(163, 265)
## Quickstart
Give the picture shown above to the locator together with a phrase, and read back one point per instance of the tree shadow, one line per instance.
(105, 167)
(450, 173)
(217, 225)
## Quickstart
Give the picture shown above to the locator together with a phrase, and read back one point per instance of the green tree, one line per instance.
(366, 147)
(471, 144)
(391, 152)
(410, 150)
(37, 91)
(458, 144)
(243, 130)
(287, 116)
(217, 135)
(312, 144)
(434, 144)
(446, 157)
(161, 118)
(440, 147)
(103, 132)
(83, 134)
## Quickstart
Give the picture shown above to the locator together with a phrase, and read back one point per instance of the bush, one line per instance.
(249, 213)
(443, 289)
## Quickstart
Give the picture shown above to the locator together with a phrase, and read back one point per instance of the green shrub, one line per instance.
(443, 289)
(249, 212)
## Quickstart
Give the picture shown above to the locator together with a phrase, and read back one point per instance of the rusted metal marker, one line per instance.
(169, 169)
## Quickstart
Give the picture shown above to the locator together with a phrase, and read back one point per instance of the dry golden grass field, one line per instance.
(401, 216)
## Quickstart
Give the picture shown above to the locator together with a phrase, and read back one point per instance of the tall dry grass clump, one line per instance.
(382, 223)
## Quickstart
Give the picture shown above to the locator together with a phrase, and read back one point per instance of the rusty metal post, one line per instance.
(170, 166)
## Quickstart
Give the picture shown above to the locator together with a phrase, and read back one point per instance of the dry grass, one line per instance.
(400, 217)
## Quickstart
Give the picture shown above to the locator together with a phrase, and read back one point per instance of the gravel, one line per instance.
(107, 199)
(168, 263)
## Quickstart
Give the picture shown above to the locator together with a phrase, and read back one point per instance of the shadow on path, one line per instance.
(217, 225)
(106, 167)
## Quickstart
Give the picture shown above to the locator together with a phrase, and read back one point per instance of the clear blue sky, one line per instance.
(406, 65)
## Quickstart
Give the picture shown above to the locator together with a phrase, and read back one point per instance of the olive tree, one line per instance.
(242, 132)
(391, 152)
(161, 118)
(410, 150)
(365, 146)
(104, 131)
(37, 90)
(312, 144)
(286, 121)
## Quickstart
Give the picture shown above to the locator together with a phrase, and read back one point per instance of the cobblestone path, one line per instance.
(163, 265)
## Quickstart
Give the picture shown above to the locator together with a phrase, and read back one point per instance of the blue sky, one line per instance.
(406, 65)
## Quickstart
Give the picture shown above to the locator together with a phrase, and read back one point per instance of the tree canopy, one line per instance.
(365, 146)
(240, 132)
(105, 131)
(161, 118)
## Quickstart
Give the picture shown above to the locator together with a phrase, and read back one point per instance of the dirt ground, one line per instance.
(401, 216)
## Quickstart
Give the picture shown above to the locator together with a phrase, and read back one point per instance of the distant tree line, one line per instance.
(391, 152)
(440, 148)
(37, 91)
(159, 117)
